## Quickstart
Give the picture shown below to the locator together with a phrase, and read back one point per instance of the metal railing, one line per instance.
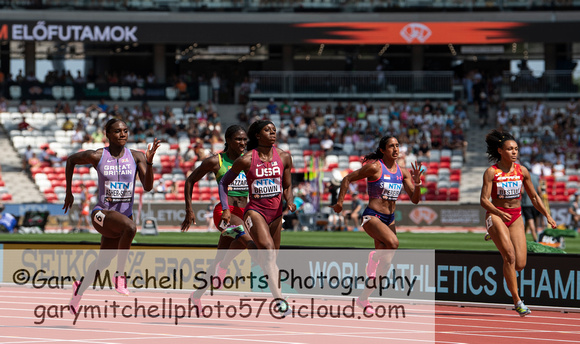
(337, 84)
(550, 84)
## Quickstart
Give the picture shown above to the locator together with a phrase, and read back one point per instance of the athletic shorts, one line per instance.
(217, 213)
(387, 219)
(530, 213)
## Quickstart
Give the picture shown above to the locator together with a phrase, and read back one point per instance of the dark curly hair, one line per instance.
(495, 139)
(378, 154)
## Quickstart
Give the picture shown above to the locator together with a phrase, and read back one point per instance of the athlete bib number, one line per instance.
(240, 183)
(117, 192)
(266, 188)
(391, 191)
(509, 189)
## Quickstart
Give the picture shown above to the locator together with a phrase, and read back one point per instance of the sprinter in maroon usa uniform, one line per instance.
(267, 171)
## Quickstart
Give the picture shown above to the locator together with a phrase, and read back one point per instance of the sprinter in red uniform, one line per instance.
(502, 182)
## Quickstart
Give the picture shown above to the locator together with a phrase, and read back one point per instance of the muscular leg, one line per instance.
(120, 227)
(501, 236)
(223, 244)
(261, 233)
(238, 245)
(107, 252)
(386, 242)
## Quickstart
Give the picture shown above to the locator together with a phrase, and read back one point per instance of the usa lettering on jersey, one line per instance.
(268, 171)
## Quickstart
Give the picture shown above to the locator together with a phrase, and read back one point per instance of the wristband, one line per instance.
(149, 163)
(421, 183)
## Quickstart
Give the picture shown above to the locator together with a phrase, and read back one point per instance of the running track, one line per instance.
(423, 323)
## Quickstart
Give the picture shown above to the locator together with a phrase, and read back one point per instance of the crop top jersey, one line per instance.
(507, 185)
(116, 182)
(239, 187)
(388, 186)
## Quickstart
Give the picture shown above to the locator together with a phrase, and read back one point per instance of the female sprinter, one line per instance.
(503, 182)
(219, 164)
(385, 179)
(112, 216)
(264, 164)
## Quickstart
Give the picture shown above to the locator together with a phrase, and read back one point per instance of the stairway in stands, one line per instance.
(21, 187)
(476, 160)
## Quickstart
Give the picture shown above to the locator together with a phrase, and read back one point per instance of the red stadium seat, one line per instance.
(6, 197)
(441, 197)
(562, 198)
(205, 196)
(445, 159)
(574, 178)
(51, 198)
(170, 197)
(352, 158)
(180, 196)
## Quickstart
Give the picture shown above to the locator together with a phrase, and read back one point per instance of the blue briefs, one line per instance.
(387, 219)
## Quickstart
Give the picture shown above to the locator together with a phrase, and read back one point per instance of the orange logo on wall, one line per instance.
(419, 214)
(4, 32)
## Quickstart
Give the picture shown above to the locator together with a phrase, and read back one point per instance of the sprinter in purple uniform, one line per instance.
(117, 168)
(385, 181)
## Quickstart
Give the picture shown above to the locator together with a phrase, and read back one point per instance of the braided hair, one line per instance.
(230, 131)
(495, 140)
(253, 131)
(378, 154)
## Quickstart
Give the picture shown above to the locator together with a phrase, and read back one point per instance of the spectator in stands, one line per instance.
(23, 107)
(103, 105)
(28, 153)
(483, 108)
(33, 162)
(84, 221)
(215, 83)
(574, 211)
(79, 135)
(503, 213)
(354, 214)
(272, 107)
(24, 125)
(112, 217)
(68, 124)
(3, 104)
(529, 212)
(385, 179)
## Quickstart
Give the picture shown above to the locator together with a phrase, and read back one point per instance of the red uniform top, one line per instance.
(507, 185)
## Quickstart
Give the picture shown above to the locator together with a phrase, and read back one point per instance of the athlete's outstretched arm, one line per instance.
(210, 164)
(368, 170)
(412, 181)
(91, 157)
(287, 180)
(145, 164)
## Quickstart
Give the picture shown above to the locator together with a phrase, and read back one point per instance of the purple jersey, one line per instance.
(388, 186)
(116, 182)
